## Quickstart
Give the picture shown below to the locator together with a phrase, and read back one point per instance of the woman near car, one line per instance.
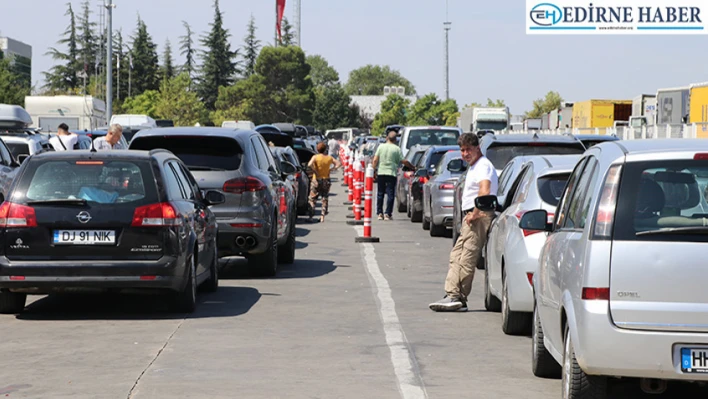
(321, 166)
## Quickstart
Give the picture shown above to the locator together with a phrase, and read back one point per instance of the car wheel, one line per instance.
(542, 363)
(436, 230)
(266, 264)
(212, 284)
(186, 300)
(416, 216)
(577, 384)
(426, 223)
(408, 209)
(12, 302)
(286, 253)
(491, 303)
(513, 323)
(398, 205)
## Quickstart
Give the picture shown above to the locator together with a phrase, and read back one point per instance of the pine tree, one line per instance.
(287, 37)
(62, 77)
(146, 70)
(87, 39)
(186, 46)
(218, 67)
(121, 68)
(168, 70)
(251, 48)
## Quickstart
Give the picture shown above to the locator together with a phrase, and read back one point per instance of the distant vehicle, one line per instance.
(91, 135)
(165, 123)
(425, 168)
(78, 112)
(343, 134)
(404, 176)
(428, 135)
(133, 120)
(438, 193)
(246, 125)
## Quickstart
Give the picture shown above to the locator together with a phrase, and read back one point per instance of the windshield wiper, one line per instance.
(194, 167)
(65, 201)
(676, 230)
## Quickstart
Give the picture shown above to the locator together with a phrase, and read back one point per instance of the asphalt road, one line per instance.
(346, 320)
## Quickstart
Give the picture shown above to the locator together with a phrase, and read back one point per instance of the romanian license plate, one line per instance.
(84, 237)
(694, 360)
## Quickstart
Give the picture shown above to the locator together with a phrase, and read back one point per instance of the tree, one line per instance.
(12, 89)
(168, 70)
(246, 99)
(370, 80)
(186, 46)
(332, 109)
(87, 39)
(496, 103)
(218, 68)
(143, 104)
(543, 105)
(287, 38)
(250, 48)
(179, 104)
(62, 76)
(321, 73)
(121, 70)
(145, 74)
(429, 110)
(393, 112)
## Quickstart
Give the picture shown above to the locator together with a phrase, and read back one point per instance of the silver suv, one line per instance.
(620, 285)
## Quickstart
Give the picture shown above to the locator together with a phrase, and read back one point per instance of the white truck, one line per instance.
(643, 111)
(78, 112)
(490, 119)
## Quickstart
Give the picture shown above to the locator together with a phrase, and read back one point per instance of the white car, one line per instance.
(512, 253)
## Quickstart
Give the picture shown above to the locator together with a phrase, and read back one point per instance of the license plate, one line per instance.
(694, 360)
(84, 237)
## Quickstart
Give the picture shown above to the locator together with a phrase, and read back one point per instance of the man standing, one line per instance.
(481, 180)
(64, 141)
(388, 157)
(112, 139)
(333, 147)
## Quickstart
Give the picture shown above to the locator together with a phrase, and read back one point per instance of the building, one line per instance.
(20, 54)
(371, 105)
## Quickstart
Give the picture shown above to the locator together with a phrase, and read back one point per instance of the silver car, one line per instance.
(620, 286)
(438, 193)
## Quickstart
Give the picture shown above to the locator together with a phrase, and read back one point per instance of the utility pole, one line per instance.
(298, 20)
(277, 23)
(109, 61)
(447, 28)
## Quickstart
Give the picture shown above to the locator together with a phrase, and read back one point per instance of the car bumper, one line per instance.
(603, 349)
(443, 210)
(228, 234)
(520, 261)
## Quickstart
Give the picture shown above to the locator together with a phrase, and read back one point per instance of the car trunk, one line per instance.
(500, 153)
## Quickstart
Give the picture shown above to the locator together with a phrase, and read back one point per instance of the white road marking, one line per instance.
(410, 382)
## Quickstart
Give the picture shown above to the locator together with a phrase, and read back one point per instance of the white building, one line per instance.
(371, 105)
(20, 53)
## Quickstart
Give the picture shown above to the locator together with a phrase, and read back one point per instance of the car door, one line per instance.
(8, 168)
(261, 162)
(279, 189)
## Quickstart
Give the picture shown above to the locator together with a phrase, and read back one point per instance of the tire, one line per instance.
(398, 205)
(302, 210)
(577, 384)
(12, 302)
(513, 323)
(212, 283)
(416, 216)
(426, 223)
(542, 363)
(408, 209)
(491, 303)
(266, 264)
(186, 300)
(286, 253)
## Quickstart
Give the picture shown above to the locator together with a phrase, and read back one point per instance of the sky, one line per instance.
(490, 54)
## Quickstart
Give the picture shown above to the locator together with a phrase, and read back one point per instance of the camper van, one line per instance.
(78, 112)
(124, 120)
(245, 125)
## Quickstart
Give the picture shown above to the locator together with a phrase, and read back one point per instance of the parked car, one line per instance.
(403, 176)
(255, 220)
(301, 181)
(85, 144)
(25, 142)
(511, 253)
(424, 169)
(619, 290)
(115, 220)
(438, 193)
(428, 135)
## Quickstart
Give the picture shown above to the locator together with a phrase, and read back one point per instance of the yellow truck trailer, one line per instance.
(698, 108)
(600, 113)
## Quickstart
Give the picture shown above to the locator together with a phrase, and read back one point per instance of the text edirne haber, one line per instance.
(627, 14)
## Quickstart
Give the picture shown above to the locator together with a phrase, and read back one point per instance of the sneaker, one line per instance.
(464, 306)
(446, 304)
(388, 217)
(381, 217)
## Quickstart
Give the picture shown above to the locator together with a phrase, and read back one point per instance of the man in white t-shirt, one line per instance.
(64, 141)
(481, 180)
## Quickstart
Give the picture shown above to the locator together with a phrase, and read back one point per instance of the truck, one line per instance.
(473, 119)
(672, 104)
(698, 108)
(643, 111)
(532, 124)
(78, 112)
(565, 116)
(592, 114)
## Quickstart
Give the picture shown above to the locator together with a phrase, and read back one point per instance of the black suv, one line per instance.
(107, 220)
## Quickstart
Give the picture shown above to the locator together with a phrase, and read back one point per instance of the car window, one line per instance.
(5, 153)
(523, 191)
(576, 213)
(434, 160)
(514, 187)
(192, 181)
(562, 209)
(550, 187)
(197, 153)
(268, 155)
(260, 154)
(432, 137)
(18, 149)
(183, 181)
(174, 187)
(505, 178)
(500, 154)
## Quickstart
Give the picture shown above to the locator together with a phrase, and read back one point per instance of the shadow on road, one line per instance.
(300, 245)
(301, 232)
(302, 268)
(226, 302)
(629, 389)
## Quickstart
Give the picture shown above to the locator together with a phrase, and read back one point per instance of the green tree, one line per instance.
(12, 88)
(332, 109)
(430, 110)
(143, 104)
(251, 47)
(394, 110)
(145, 74)
(187, 50)
(287, 38)
(321, 73)
(551, 101)
(370, 80)
(168, 70)
(121, 69)
(88, 42)
(62, 76)
(495, 103)
(246, 99)
(176, 102)
(218, 67)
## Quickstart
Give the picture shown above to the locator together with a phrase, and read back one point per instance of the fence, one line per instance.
(679, 131)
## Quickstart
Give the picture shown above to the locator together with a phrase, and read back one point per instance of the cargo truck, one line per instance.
(672, 106)
(592, 114)
(565, 116)
(698, 108)
(532, 124)
(490, 118)
(643, 111)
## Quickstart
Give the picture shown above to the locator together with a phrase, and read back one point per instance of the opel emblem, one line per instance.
(83, 217)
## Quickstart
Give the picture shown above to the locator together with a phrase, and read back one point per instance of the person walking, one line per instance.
(64, 141)
(333, 146)
(321, 166)
(481, 180)
(387, 158)
(112, 139)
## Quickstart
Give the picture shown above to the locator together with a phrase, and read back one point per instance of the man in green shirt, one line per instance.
(388, 157)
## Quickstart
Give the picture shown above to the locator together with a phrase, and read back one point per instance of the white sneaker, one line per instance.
(447, 304)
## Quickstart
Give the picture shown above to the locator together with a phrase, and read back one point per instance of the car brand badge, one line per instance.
(19, 241)
(83, 217)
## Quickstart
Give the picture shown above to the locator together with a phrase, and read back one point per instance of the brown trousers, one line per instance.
(320, 187)
(465, 256)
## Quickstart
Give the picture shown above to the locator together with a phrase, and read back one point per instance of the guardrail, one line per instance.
(674, 131)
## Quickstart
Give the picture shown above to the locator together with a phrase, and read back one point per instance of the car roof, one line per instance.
(551, 164)
(113, 154)
(529, 137)
(596, 137)
(192, 131)
(443, 148)
(658, 145)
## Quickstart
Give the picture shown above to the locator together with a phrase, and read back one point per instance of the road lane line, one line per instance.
(410, 382)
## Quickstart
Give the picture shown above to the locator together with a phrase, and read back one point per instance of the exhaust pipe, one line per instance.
(240, 241)
(653, 386)
(250, 242)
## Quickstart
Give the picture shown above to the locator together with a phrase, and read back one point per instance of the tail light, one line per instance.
(526, 233)
(701, 156)
(446, 186)
(529, 276)
(608, 201)
(298, 175)
(423, 180)
(283, 203)
(243, 184)
(16, 215)
(155, 215)
(407, 175)
(599, 294)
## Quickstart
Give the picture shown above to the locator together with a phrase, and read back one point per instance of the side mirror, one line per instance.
(2, 197)
(486, 203)
(288, 168)
(212, 197)
(536, 220)
(456, 166)
(421, 172)
(21, 158)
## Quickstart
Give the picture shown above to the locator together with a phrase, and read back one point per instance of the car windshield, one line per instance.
(197, 152)
(434, 160)
(501, 154)
(551, 187)
(18, 149)
(432, 137)
(100, 182)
